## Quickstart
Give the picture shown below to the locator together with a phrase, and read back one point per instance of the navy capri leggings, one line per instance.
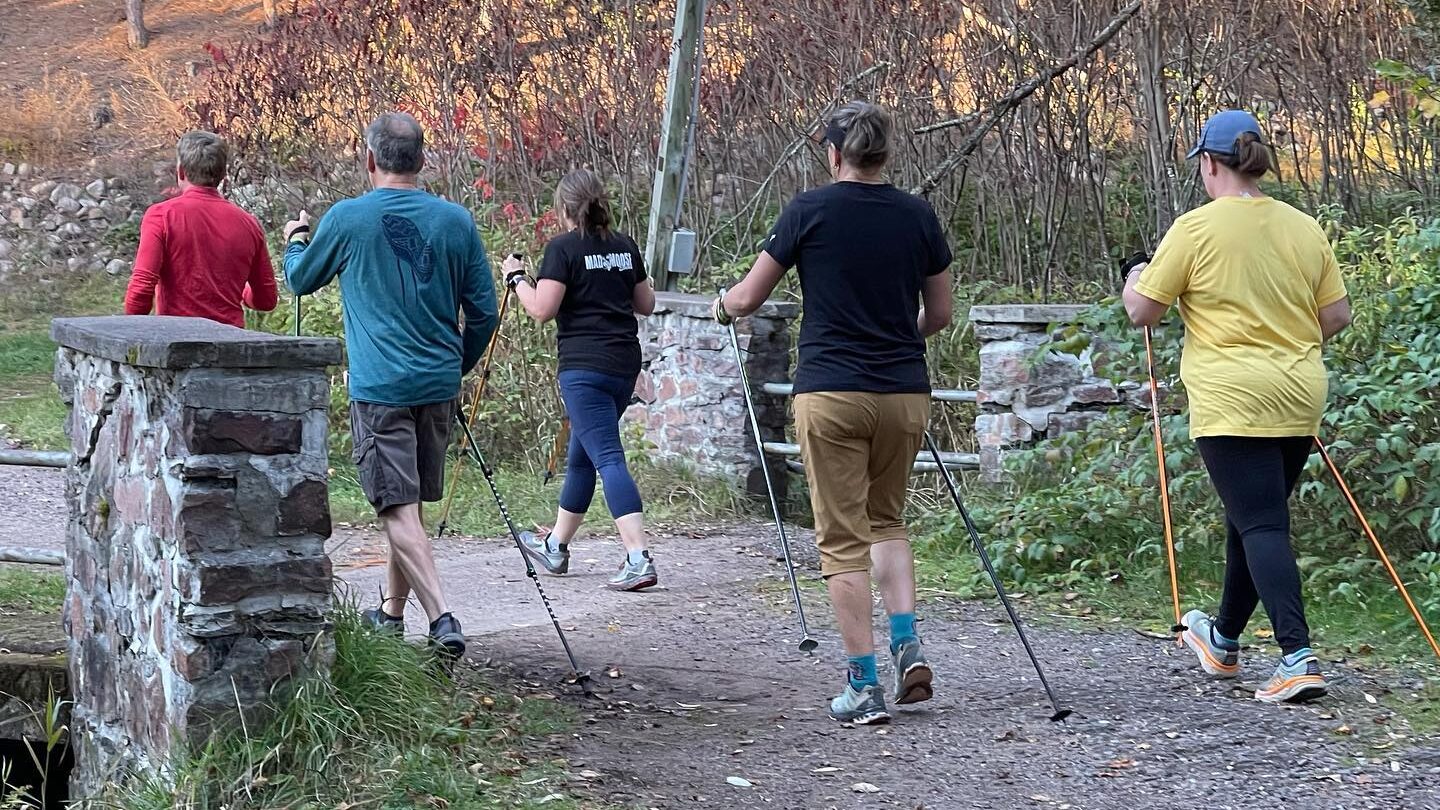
(595, 403)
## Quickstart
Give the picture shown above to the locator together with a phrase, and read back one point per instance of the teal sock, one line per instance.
(1296, 657)
(1223, 642)
(862, 671)
(902, 629)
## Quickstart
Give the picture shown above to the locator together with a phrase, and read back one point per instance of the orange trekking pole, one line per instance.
(1375, 541)
(1179, 626)
(479, 397)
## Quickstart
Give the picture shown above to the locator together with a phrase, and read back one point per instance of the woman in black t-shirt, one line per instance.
(867, 254)
(592, 281)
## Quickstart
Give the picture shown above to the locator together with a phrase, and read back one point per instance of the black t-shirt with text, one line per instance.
(863, 251)
(597, 327)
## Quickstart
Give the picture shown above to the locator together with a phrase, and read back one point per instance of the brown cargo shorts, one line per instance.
(400, 451)
(859, 450)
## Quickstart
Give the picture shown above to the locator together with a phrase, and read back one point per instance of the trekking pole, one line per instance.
(1060, 714)
(807, 643)
(1179, 626)
(1375, 541)
(581, 677)
(474, 408)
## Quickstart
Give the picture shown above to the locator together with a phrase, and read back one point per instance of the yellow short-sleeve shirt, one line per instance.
(1251, 275)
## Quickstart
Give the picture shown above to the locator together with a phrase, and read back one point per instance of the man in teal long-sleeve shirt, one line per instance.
(408, 263)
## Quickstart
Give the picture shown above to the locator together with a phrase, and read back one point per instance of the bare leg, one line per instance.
(567, 525)
(850, 595)
(632, 530)
(397, 589)
(895, 575)
(410, 548)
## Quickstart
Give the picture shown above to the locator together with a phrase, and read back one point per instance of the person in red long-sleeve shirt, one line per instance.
(201, 255)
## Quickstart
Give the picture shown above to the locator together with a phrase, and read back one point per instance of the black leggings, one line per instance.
(1255, 477)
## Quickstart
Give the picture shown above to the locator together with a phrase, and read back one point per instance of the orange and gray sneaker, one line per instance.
(1218, 657)
(1297, 679)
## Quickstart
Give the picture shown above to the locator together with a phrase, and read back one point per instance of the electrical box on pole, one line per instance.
(675, 140)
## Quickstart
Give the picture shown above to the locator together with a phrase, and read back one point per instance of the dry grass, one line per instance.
(48, 123)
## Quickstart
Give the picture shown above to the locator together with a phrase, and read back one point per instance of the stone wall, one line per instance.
(1026, 395)
(59, 223)
(691, 404)
(197, 577)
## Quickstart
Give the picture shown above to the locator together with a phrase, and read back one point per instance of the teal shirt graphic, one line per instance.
(409, 263)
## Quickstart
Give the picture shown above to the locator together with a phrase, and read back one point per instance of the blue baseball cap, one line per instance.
(1220, 133)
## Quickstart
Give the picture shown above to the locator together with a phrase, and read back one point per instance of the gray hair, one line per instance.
(203, 156)
(869, 130)
(398, 143)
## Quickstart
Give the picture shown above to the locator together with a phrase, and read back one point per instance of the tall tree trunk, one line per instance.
(1159, 132)
(135, 21)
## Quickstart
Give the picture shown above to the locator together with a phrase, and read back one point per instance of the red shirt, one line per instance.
(201, 256)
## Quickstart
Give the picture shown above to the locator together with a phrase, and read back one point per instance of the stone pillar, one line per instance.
(691, 404)
(1026, 394)
(197, 577)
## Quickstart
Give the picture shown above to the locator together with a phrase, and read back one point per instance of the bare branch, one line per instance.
(1021, 92)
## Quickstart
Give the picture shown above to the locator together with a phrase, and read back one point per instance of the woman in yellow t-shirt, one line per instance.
(1260, 293)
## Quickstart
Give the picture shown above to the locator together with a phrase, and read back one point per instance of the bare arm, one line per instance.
(752, 291)
(937, 308)
(541, 302)
(1143, 310)
(643, 298)
(1334, 318)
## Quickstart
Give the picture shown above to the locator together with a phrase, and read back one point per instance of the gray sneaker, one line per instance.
(554, 559)
(634, 576)
(863, 707)
(912, 674)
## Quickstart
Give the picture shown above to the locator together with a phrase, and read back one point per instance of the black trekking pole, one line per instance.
(581, 677)
(807, 643)
(1060, 714)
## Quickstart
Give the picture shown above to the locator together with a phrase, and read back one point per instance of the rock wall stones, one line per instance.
(62, 223)
(198, 580)
(691, 403)
(1026, 395)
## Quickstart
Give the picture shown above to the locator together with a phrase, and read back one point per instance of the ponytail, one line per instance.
(1252, 157)
(581, 197)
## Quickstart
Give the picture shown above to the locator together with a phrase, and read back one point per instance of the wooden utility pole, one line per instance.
(674, 139)
(135, 18)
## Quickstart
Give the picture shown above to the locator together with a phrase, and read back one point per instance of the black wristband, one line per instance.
(299, 229)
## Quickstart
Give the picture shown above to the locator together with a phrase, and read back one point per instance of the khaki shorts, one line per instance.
(859, 450)
(400, 452)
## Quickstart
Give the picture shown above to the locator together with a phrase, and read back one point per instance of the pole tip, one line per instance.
(1059, 717)
(808, 644)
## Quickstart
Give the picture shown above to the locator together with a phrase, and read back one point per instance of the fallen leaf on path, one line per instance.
(589, 774)
(826, 769)
(864, 787)
(1363, 779)
(738, 781)
(1344, 730)
(552, 797)
(613, 672)
(1042, 798)
(1369, 698)
(1333, 777)
(1121, 763)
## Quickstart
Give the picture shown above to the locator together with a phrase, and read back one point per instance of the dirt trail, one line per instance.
(709, 685)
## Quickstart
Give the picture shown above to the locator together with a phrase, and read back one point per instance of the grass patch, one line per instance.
(31, 412)
(381, 732)
(29, 590)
